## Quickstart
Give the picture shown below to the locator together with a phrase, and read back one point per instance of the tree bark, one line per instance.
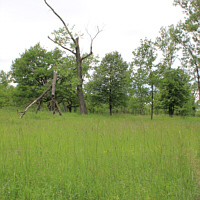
(58, 108)
(82, 105)
(54, 103)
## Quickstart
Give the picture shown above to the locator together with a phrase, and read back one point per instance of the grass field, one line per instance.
(98, 157)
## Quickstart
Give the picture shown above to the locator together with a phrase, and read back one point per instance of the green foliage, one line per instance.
(66, 86)
(5, 79)
(192, 10)
(6, 90)
(189, 38)
(109, 81)
(67, 82)
(174, 90)
(63, 37)
(33, 72)
(168, 44)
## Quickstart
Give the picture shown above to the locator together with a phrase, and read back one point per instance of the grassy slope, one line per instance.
(98, 157)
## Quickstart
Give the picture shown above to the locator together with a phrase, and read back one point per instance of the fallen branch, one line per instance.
(24, 112)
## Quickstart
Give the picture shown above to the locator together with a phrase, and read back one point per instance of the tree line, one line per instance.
(152, 83)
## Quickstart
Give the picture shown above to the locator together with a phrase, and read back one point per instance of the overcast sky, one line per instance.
(24, 23)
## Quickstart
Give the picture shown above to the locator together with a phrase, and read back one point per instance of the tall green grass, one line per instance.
(98, 157)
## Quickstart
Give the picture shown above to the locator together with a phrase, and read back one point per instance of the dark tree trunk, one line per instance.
(39, 106)
(70, 109)
(198, 82)
(80, 85)
(151, 101)
(110, 101)
(171, 111)
(110, 108)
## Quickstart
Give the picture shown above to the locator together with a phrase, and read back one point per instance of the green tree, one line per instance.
(109, 81)
(174, 90)
(33, 71)
(146, 72)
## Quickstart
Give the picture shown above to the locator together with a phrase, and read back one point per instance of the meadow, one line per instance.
(98, 157)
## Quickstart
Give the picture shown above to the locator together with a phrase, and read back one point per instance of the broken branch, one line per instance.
(24, 112)
(92, 39)
(71, 36)
(61, 46)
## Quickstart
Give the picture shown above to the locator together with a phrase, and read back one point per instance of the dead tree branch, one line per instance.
(71, 36)
(92, 39)
(24, 112)
(62, 46)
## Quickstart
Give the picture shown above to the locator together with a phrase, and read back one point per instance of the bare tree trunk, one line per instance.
(58, 108)
(39, 105)
(82, 105)
(54, 103)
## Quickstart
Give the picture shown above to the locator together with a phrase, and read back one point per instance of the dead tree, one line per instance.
(79, 60)
(54, 103)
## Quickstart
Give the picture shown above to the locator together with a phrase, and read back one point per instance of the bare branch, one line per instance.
(92, 39)
(71, 36)
(62, 46)
(24, 112)
(87, 55)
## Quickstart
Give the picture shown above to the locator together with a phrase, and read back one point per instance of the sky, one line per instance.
(24, 23)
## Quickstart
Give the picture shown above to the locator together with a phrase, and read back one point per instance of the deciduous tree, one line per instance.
(33, 72)
(146, 72)
(109, 81)
(174, 89)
